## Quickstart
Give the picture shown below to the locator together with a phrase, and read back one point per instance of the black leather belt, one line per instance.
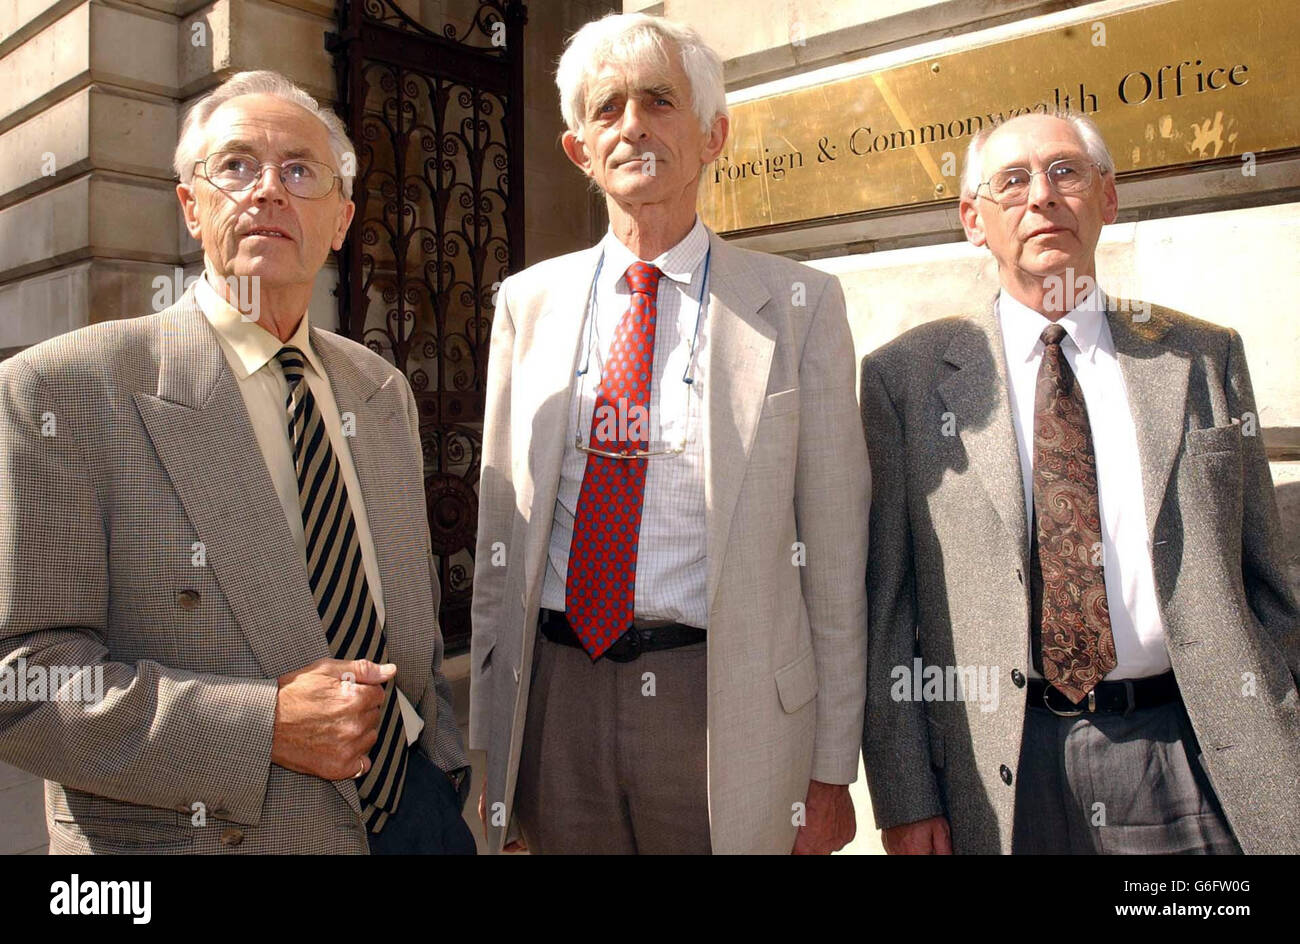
(631, 644)
(1120, 697)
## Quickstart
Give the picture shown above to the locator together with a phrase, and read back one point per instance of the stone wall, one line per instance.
(91, 96)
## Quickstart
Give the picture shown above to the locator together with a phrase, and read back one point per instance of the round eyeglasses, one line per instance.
(235, 171)
(1010, 187)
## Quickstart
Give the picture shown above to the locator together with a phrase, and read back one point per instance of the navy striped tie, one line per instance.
(338, 582)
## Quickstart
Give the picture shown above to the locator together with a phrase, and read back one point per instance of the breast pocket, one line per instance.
(782, 402)
(1200, 442)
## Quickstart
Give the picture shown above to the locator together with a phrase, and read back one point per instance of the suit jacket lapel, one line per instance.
(201, 432)
(1156, 377)
(979, 396)
(740, 344)
(547, 372)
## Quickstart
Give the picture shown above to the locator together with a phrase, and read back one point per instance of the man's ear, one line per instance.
(1109, 200)
(344, 220)
(972, 223)
(576, 151)
(189, 209)
(716, 140)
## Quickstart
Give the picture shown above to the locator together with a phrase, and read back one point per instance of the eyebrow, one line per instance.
(1053, 158)
(599, 95)
(294, 153)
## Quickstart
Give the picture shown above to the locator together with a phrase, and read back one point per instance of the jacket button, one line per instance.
(233, 837)
(187, 599)
(1018, 678)
(1005, 771)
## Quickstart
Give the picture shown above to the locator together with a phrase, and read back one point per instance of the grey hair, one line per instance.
(1084, 126)
(635, 39)
(260, 82)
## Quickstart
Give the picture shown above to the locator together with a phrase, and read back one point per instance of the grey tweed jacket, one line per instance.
(948, 571)
(126, 457)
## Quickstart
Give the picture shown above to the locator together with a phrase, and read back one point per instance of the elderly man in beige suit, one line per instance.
(217, 512)
(669, 608)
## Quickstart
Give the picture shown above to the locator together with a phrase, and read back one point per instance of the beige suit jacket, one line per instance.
(152, 455)
(785, 462)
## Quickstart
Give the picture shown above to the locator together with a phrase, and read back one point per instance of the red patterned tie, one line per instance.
(601, 586)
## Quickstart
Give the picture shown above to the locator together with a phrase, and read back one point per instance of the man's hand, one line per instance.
(829, 823)
(924, 837)
(327, 717)
(517, 845)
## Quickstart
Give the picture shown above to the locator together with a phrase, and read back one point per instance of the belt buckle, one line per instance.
(1092, 704)
(631, 643)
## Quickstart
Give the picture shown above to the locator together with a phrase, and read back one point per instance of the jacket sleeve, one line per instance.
(150, 734)
(1268, 590)
(496, 515)
(896, 740)
(832, 495)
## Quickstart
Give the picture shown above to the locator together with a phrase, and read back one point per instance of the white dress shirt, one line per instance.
(1090, 351)
(671, 567)
(250, 351)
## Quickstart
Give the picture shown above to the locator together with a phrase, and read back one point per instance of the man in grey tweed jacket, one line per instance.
(1191, 740)
(152, 541)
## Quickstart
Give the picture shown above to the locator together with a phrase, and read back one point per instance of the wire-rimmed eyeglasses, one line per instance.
(236, 171)
(622, 417)
(1010, 186)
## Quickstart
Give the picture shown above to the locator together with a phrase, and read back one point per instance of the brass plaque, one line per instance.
(1176, 83)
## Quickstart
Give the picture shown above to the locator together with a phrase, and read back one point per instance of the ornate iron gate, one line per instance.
(437, 121)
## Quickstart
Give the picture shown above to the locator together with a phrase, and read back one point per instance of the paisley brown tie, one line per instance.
(1073, 644)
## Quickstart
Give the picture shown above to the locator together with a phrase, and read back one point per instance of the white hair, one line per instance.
(260, 82)
(1083, 126)
(637, 42)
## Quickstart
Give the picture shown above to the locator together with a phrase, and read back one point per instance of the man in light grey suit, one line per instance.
(1082, 636)
(669, 646)
(218, 513)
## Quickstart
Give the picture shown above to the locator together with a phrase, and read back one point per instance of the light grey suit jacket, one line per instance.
(949, 570)
(784, 462)
(152, 454)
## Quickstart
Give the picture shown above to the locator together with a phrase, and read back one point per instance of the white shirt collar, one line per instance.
(251, 345)
(1022, 327)
(678, 263)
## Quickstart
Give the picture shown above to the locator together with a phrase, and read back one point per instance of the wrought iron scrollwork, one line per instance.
(437, 123)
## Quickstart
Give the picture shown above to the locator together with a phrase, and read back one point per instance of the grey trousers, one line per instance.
(607, 767)
(1106, 783)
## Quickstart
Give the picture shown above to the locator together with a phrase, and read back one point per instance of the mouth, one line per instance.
(1047, 231)
(267, 232)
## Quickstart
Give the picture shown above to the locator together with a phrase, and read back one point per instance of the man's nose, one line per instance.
(269, 186)
(1041, 192)
(634, 121)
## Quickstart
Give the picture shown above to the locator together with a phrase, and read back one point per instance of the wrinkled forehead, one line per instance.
(629, 71)
(1024, 140)
(267, 126)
